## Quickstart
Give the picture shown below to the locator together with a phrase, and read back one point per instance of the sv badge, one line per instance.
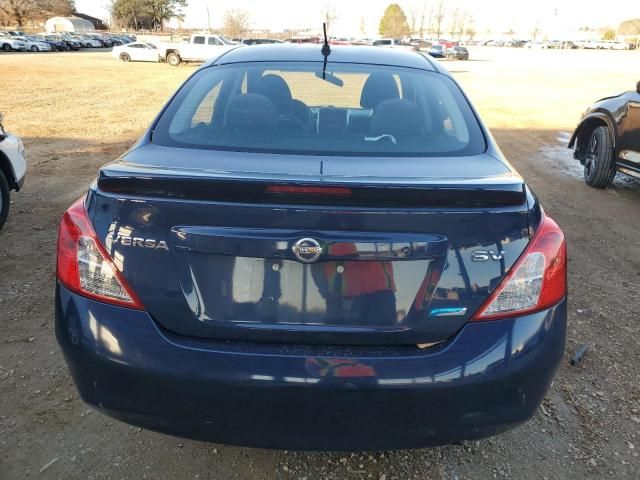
(486, 255)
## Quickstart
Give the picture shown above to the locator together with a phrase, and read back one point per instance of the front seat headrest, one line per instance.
(276, 89)
(399, 118)
(378, 87)
(251, 112)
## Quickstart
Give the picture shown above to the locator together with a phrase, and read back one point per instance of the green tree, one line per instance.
(128, 13)
(609, 35)
(394, 22)
(161, 10)
(153, 13)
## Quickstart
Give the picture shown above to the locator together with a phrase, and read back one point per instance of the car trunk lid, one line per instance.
(305, 253)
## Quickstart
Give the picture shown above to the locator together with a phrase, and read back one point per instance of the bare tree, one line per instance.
(236, 23)
(56, 7)
(424, 21)
(439, 13)
(454, 25)
(464, 19)
(470, 32)
(329, 15)
(413, 20)
(20, 11)
(536, 30)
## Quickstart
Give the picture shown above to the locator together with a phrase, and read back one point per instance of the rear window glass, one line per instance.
(291, 108)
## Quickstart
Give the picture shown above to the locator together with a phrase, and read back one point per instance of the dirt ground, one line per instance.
(77, 111)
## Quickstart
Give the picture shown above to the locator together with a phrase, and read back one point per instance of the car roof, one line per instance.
(284, 52)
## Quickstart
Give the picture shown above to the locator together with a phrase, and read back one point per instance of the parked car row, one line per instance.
(557, 44)
(59, 42)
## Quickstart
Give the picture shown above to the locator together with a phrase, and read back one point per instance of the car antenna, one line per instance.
(326, 50)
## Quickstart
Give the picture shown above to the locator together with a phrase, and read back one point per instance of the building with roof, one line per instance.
(69, 24)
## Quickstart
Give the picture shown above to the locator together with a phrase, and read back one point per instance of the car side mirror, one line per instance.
(637, 90)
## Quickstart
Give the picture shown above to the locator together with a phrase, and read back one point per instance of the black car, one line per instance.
(73, 45)
(458, 53)
(116, 41)
(104, 41)
(607, 139)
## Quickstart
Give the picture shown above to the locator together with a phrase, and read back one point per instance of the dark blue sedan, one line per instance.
(319, 252)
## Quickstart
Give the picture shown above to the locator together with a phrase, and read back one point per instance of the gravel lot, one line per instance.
(77, 111)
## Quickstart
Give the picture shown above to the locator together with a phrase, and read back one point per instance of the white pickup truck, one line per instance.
(201, 47)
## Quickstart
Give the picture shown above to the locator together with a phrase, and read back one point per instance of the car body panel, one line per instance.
(621, 115)
(310, 52)
(489, 377)
(11, 147)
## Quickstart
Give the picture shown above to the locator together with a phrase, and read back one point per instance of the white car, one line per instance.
(35, 45)
(87, 42)
(392, 43)
(13, 167)
(537, 45)
(137, 52)
(618, 46)
(8, 43)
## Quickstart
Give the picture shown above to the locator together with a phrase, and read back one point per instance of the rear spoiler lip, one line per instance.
(125, 170)
(419, 193)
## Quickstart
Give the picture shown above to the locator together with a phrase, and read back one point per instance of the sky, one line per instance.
(495, 15)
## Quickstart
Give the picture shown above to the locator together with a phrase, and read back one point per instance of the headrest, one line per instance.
(399, 118)
(378, 87)
(276, 89)
(251, 111)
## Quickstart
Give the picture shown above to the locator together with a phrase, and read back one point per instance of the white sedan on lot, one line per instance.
(137, 52)
(13, 167)
(34, 45)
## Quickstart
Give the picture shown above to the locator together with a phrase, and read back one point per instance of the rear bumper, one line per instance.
(490, 377)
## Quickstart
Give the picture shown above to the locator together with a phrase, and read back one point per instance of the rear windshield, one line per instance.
(291, 108)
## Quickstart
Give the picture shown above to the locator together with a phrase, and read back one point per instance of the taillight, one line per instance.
(85, 267)
(538, 280)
